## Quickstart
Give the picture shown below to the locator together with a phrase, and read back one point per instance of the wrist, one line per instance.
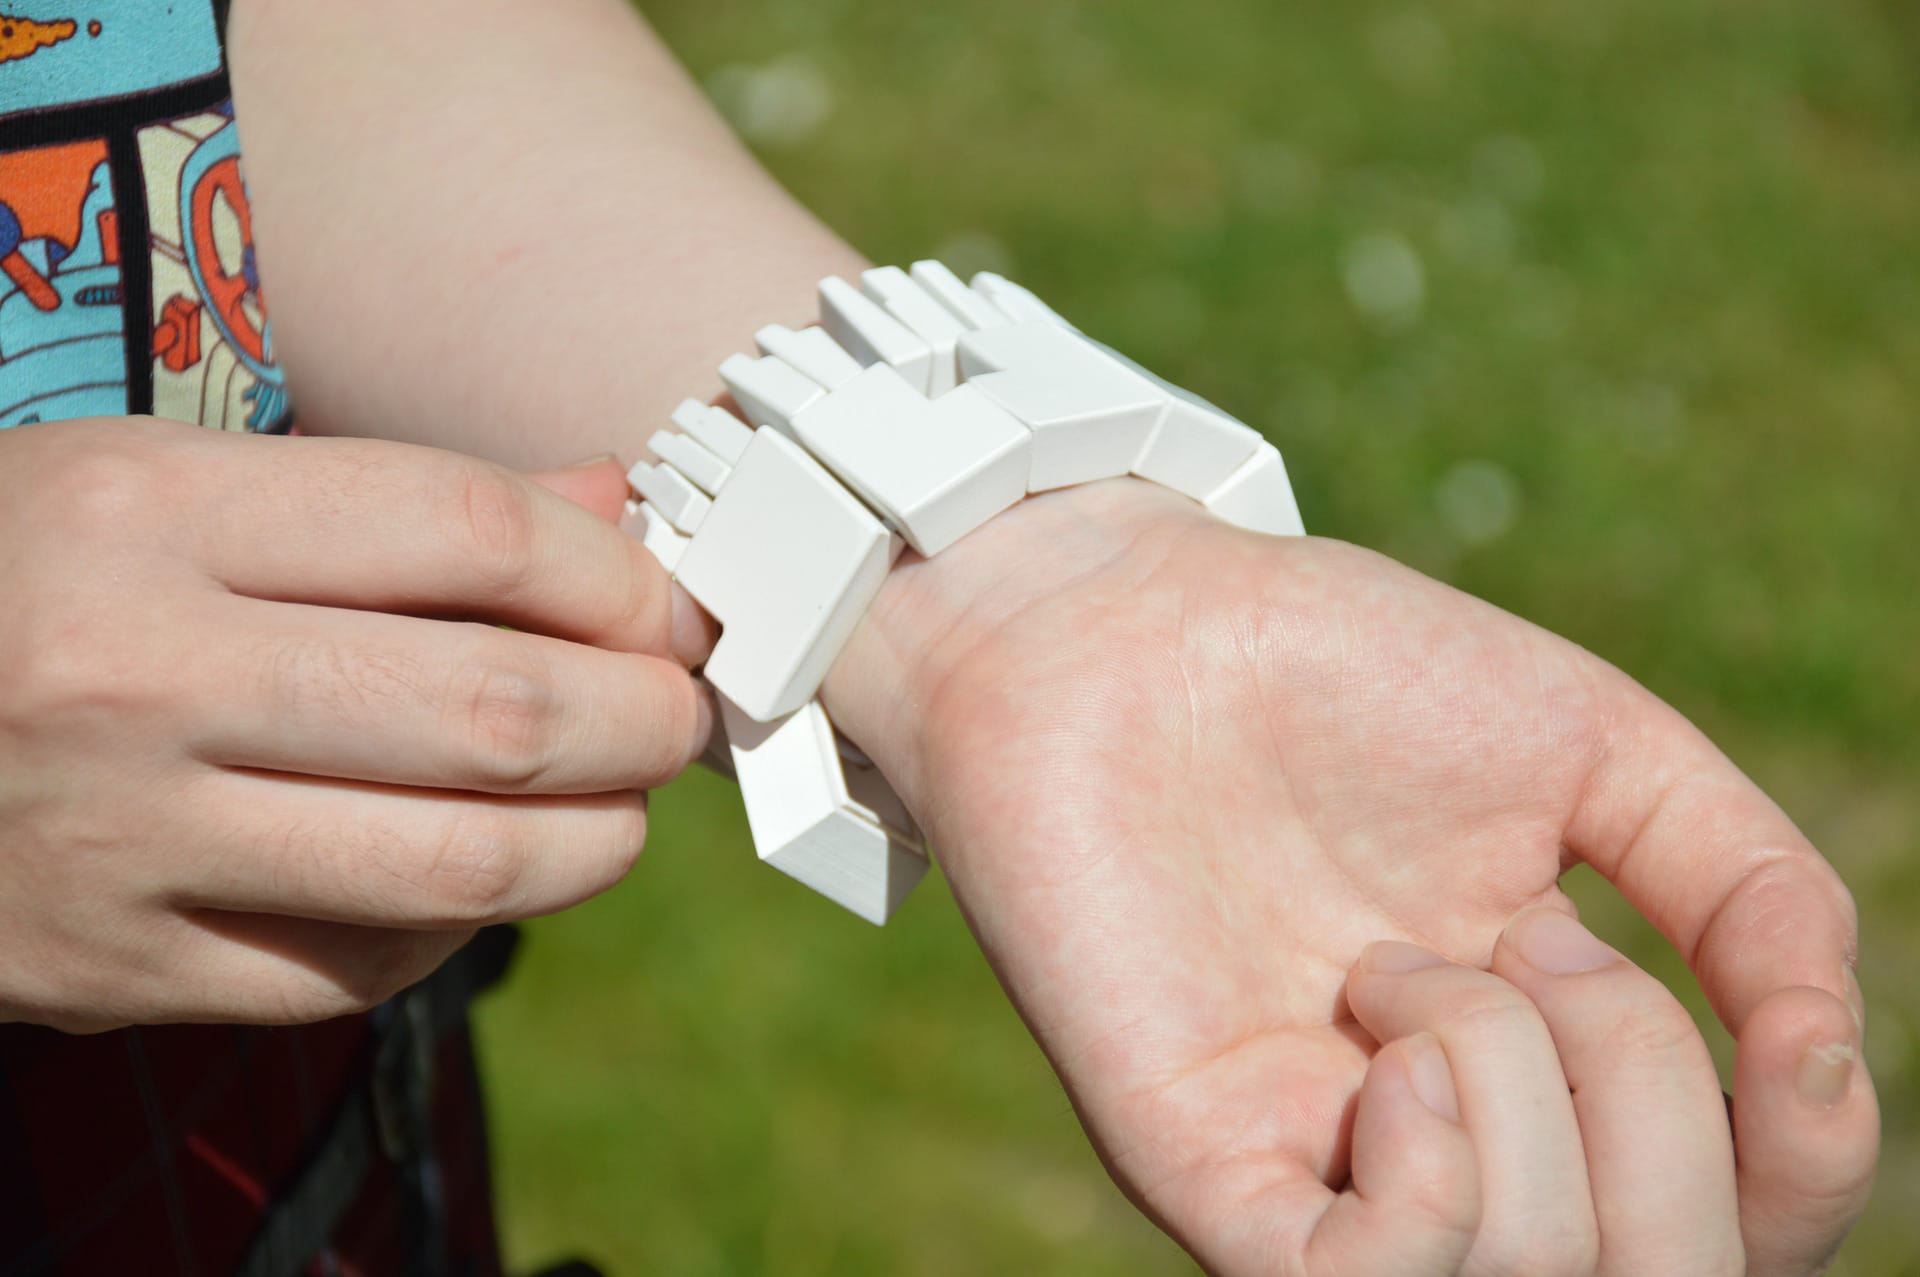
(935, 620)
(921, 410)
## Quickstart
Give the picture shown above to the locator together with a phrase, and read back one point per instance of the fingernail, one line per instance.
(1431, 1076)
(1825, 1070)
(597, 459)
(1550, 941)
(1391, 957)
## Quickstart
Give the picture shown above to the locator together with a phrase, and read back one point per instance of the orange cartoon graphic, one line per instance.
(42, 196)
(23, 37)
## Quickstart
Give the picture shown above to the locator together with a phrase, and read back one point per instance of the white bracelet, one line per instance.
(918, 410)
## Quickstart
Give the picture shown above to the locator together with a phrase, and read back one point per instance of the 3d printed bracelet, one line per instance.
(919, 409)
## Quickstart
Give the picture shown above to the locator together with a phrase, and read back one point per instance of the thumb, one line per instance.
(598, 483)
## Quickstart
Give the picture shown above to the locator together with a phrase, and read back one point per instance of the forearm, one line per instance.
(522, 239)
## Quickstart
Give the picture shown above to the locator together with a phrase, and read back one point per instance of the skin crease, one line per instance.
(1180, 776)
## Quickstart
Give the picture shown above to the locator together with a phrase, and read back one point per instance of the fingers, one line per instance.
(364, 696)
(601, 486)
(389, 527)
(598, 485)
(1807, 1131)
(208, 967)
(1711, 862)
(1414, 1205)
(1537, 1213)
(266, 969)
(1646, 1095)
(409, 858)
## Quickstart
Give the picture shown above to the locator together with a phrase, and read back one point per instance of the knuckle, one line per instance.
(495, 514)
(475, 875)
(108, 490)
(1658, 1032)
(509, 708)
(1492, 1009)
(50, 676)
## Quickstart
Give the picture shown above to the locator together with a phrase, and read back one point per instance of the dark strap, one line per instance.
(388, 1115)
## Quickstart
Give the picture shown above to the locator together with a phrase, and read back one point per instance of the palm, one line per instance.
(1180, 776)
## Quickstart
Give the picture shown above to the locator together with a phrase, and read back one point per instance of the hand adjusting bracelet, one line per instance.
(919, 409)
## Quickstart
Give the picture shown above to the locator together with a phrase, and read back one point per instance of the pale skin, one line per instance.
(1262, 836)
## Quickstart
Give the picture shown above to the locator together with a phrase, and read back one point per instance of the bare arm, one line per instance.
(525, 237)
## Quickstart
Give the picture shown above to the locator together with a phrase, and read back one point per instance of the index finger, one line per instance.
(393, 527)
(1713, 863)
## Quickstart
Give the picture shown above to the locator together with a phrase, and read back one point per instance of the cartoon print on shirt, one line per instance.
(100, 50)
(212, 343)
(23, 37)
(62, 335)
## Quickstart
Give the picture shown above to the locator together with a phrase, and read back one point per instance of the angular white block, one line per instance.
(787, 561)
(811, 352)
(1015, 302)
(805, 821)
(649, 527)
(1091, 418)
(672, 494)
(1258, 497)
(707, 471)
(936, 469)
(717, 430)
(1196, 448)
(972, 309)
(770, 391)
(1197, 444)
(871, 335)
(933, 323)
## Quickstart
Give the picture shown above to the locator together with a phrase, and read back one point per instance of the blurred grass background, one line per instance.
(1606, 311)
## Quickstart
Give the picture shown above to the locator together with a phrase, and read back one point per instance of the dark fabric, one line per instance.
(166, 1150)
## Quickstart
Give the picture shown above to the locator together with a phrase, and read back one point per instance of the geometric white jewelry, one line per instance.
(919, 409)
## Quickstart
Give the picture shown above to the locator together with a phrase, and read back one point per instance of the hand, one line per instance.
(1567, 1079)
(1180, 776)
(264, 756)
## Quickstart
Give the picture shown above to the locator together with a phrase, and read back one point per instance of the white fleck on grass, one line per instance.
(1385, 280)
(1477, 502)
(780, 103)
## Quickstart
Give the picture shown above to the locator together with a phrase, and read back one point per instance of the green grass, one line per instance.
(1656, 385)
